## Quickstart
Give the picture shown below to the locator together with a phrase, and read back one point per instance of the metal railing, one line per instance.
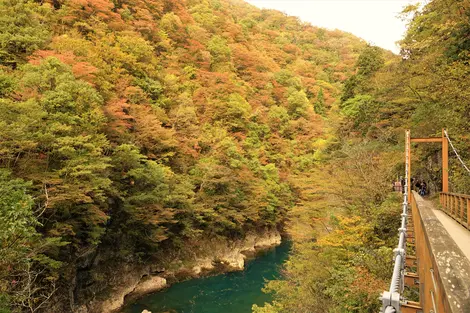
(438, 263)
(456, 206)
(430, 288)
(429, 292)
(391, 299)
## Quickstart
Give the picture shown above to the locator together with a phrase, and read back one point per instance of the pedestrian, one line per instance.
(397, 186)
(423, 188)
(403, 184)
(418, 186)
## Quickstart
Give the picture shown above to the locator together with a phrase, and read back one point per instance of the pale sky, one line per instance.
(375, 21)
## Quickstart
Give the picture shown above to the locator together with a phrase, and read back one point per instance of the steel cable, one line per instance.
(390, 309)
(455, 151)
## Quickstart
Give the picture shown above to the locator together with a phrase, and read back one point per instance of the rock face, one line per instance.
(233, 255)
(149, 284)
(134, 289)
(132, 282)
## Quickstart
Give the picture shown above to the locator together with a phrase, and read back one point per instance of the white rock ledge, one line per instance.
(136, 282)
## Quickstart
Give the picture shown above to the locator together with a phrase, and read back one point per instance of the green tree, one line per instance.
(234, 113)
(297, 103)
(220, 52)
(17, 221)
(62, 139)
(23, 29)
(320, 103)
(7, 84)
(27, 275)
(370, 60)
(361, 111)
(278, 118)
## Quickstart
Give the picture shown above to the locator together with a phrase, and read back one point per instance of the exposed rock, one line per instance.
(203, 264)
(132, 281)
(82, 309)
(135, 286)
(234, 259)
(116, 299)
(149, 284)
(271, 239)
(233, 256)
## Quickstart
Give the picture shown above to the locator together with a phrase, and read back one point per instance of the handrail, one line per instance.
(456, 194)
(442, 267)
(391, 299)
(439, 263)
(456, 206)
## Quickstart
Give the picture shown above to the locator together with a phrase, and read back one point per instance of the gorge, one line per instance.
(145, 142)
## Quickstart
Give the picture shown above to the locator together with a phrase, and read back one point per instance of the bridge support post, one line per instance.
(445, 162)
(408, 157)
(445, 157)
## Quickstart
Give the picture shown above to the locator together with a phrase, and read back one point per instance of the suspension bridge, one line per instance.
(433, 251)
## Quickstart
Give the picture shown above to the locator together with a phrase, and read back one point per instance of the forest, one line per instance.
(152, 124)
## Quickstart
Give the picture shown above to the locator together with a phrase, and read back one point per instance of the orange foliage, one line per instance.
(291, 49)
(100, 8)
(81, 69)
(149, 133)
(118, 112)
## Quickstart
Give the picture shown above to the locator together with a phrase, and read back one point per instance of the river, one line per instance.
(233, 292)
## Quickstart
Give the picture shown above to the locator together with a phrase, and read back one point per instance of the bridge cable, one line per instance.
(455, 151)
(391, 299)
(390, 309)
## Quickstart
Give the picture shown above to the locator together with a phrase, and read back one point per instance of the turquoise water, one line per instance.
(227, 293)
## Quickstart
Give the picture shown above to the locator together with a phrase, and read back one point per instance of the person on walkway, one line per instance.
(418, 185)
(403, 183)
(423, 190)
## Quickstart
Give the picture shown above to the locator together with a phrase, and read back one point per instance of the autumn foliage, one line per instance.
(149, 123)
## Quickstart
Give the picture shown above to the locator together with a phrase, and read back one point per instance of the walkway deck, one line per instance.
(457, 232)
(445, 267)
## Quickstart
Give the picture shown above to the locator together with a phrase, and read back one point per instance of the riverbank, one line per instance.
(208, 257)
(233, 292)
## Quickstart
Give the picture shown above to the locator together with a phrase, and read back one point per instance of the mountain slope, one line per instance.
(148, 124)
(346, 263)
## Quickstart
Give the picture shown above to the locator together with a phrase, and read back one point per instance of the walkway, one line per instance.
(457, 232)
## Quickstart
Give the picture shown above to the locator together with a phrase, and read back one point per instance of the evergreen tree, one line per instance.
(320, 103)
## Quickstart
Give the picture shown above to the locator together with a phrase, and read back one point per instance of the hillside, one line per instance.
(345, 264)
(148, 125)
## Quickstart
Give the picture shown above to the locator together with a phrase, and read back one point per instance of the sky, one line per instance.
(375, 21)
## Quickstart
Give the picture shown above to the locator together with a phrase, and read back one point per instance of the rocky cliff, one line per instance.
(131, 281)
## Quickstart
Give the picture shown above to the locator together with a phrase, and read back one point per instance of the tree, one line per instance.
(220, 52)
(63, 142)
(23, 29)
(362, 111)
(234, 113)
(370, 60)
(297, 103)
(320, 103)
(27, 276)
